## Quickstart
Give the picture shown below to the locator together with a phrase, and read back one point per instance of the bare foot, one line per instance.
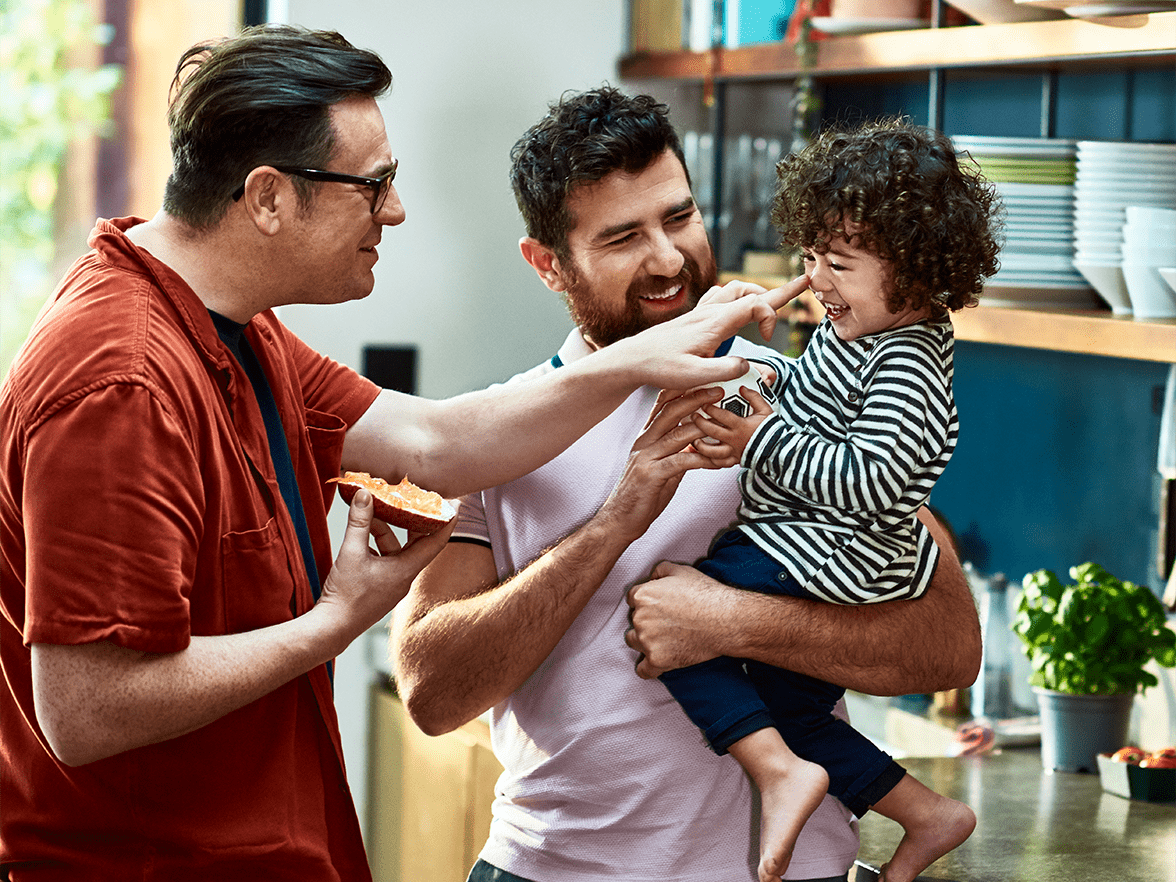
(933, 825)
(786, 803)
(790, 790)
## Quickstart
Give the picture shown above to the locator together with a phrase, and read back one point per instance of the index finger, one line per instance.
(733, 290)
(779, 297)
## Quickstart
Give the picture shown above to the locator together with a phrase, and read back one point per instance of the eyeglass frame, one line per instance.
(379, 186)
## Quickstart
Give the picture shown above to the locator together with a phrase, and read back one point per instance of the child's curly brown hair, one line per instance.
(938, 223)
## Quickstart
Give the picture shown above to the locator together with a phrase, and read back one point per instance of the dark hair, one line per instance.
(936, 221)
(261, 98)
(584, 137)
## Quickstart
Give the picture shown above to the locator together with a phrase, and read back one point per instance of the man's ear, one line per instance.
(544, 262)
(268, 193)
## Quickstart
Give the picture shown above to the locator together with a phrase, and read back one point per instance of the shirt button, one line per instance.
(853, 396)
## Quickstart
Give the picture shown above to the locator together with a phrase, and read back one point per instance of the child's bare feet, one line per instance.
(790, 790)
(786, 805)
(933, 826)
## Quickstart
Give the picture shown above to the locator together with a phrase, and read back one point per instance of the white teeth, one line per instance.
(669, 295)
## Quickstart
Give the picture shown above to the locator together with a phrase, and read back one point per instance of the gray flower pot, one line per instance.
(1075, 729)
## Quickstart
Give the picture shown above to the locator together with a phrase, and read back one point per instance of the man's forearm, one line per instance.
(97, 700)
(926, 645)
(917, 646)
(457, 658)
(463, 643)
(486, 438)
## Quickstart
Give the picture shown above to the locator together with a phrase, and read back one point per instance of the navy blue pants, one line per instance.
(729, 698)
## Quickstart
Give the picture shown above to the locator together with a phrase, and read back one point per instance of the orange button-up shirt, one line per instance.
(139, 505)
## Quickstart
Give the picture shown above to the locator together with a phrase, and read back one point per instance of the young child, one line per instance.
(895, 234)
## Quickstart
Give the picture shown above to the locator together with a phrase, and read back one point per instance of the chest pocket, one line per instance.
(256, 581)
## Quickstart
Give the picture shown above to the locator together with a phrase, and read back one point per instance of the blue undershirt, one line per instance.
(232, 335)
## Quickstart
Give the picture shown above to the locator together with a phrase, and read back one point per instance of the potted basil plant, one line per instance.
(1089, 644)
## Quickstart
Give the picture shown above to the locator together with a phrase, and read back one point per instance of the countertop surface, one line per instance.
(1036, 826)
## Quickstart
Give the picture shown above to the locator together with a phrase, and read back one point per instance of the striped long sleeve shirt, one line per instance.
(831, 482)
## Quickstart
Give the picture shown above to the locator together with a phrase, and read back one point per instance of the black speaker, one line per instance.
(393, 367)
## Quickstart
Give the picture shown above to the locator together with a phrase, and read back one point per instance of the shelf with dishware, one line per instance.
(1145, 38)
(1092, 332)
(1024, 315)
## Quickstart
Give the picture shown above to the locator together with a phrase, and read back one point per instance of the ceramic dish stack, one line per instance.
(1035, 178)
(1111, 176)
(1149, 246)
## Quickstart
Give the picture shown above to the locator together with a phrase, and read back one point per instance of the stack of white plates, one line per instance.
(1035, 178)
(1111, 176)
(1149, 246)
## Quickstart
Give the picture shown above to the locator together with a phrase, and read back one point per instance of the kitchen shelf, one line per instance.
(1094, 333)
(1083, 331)
(1142, 40)
(1138, 37)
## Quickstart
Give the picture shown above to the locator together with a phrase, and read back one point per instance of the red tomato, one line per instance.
(1131, 755)
(1156, 761)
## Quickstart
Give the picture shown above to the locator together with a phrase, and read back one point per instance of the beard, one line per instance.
(604, 326)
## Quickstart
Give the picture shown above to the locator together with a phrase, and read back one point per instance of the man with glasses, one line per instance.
(170, 607)
(606, 778)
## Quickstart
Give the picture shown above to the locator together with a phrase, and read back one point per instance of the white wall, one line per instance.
(470, 76)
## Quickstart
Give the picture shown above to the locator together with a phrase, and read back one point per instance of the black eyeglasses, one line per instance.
(379, 186)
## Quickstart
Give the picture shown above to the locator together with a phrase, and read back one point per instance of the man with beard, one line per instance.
(524, 613)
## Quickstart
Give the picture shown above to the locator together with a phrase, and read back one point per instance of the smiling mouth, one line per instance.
(835, 312)
(670, 294)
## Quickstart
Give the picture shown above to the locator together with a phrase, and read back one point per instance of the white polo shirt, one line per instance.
(606, 779)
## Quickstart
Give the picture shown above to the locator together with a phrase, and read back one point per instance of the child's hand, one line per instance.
(728, 434)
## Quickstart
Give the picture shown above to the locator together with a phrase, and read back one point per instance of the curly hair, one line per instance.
(583, 138)
(260, 98)
(936, 221)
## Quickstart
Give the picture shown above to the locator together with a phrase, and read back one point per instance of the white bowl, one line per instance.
(1134, 174)
(1142, 186)
(1098, 258)
(1151, 296)
(1118, 196)
(1168, 274)
(1091, 211)
(1163, 238)
(1146, 215)
(1108, 235)
(1152, 255)
(1126, 149)
(1097, 228)
(1107, 279)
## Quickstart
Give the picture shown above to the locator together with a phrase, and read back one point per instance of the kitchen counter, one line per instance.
(1036, 826)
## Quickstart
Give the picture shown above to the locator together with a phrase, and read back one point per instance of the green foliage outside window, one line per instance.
(47, 101)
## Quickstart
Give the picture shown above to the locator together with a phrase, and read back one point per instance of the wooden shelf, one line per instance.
(1137, 37)
(1087, 332)
(1144, 39)
(1094, 333)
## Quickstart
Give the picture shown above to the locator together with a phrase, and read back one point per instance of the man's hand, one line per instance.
(677, 354)
(365, 583)
(509, 628)
(766, 305)
(659, 458)
(680, 617)
(671, 616)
